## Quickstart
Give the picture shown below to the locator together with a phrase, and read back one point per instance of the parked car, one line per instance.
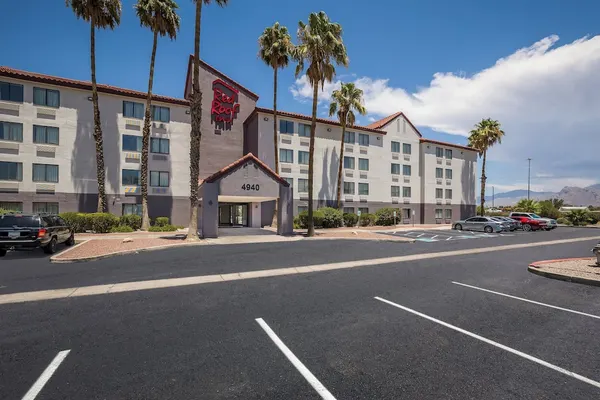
(550, 223)
(530, 224)
(18, 231)
(511, 223)
(482, 224)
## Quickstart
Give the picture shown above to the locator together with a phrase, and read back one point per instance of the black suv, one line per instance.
(33, 230)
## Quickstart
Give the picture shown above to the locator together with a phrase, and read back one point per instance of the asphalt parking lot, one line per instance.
(472, 326)
(439, 235)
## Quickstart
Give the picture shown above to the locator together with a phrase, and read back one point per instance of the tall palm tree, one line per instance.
(485, 135)
(162, 19)
(275, 47)
(320, 45)
(100, 14)
(345, 100)
(196, 114)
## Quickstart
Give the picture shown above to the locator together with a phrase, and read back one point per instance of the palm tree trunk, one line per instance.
(100, 172)
(195, 134)
(275, 140)
(339, 180)
(146, 140)
(311, 158)
(483, 178)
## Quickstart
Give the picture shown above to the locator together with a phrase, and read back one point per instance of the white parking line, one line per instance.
(496, 344)
(46, 375)
(529, 301)
(314, 382)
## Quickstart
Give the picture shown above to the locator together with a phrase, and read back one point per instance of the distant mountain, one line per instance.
(580, 196)
(594, 187)
(520, 194)
(572, 195)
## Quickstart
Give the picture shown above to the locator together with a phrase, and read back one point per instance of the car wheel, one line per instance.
(71, 240)
(527, 227)
(488, 229)
(50, 248)
(458, 227)
(2, 252)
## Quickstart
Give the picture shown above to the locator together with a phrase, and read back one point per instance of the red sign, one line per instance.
(225, 107)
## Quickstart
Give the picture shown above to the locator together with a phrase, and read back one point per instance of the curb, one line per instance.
(533, 268)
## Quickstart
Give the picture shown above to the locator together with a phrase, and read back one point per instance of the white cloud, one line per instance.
(546, 97)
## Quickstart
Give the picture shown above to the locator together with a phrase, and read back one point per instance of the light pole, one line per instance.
(529, 179)
(493, 196)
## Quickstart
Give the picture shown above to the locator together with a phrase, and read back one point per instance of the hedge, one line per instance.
(317, 219)
(121, 229)
(350, 219)
(162, 228)
(133, 221)
(161, 221)
(368, 219)
(385, 216)
(332, 217)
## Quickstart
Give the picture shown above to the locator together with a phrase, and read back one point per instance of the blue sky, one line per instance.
(396, 48)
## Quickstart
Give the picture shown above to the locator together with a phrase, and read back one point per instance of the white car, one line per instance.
(550, 223)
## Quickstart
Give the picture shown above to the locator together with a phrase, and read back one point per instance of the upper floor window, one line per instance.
(159, 146)
(439, 152)
(406, 148)
(303, 157)
(45, 134)
(363, 139)
(12, 131)
(349, 162)
(449, 154)
(286, 126)
(348, 187)
(439, 173)
(11, 92)
(133, 110)
(45, 173)
(363, 189)
(448, 174)
(396, 169)
(406, 170)
(395, 147)
(132, 143)
(11, 171)
(46, 97)
(302, 185)
(349, 137)
(363, 164)
(395, 191)
(162, 114)
(286, 155)
(130, 177)
(448, 193)
(159, 179)
(304, 130)
(406, 191)
(439, 193)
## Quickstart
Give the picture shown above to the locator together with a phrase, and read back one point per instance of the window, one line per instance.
(395, 147)
(45, 173)
(439, 213)
(159, 146)
(448, 174)
(439, 152)
(439, 173)
(48, 208)
(448, 193)
(45, 134)
(290, 181)
(348, 187)
(302, 185)
(303, 157)
(132, 209)
(349, 162)
(406, 213)
(363, 189)
(363, 210)
(286, 126)
(286, 155)
(11, 92)
(162, 114)
(46, 97)
(449, 154)
(363, 139)
(11, 171)
(406, 148)
(132, 143)
(395, 191)
(439, 193)
(349, 137)
(11, 131)
(11, 206)
(130, 177)
(159, 179)
(348, 210)
(304, 130)
(302, 209)
(406, 170)
(363, 164)
(406, 191)
(396, 169)
(133, 110)
(448, 212)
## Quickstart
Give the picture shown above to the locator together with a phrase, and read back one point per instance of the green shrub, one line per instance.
(163, 228)
(297, 224)
(77, 221)
(562, 221)
(102, 222)
(317, 219)
(3, 211)
(385, 216)
(547, 210)
(161, 221)
(133, 221)
(332, 217)
(593, 218)
(121, 229)
(578, 217)
(350, 219)
(368, 219)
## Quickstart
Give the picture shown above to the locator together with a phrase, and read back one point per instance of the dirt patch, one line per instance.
(575, 269)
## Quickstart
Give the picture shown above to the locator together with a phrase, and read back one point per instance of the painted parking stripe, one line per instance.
(496, 344)
(527, 300)
(46, 375)
(310, 378)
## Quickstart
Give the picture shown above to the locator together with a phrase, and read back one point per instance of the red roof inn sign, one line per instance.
(225, 107)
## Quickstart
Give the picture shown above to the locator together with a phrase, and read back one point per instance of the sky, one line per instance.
(532, 65)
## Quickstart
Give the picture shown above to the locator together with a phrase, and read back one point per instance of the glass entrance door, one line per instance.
(233, 214)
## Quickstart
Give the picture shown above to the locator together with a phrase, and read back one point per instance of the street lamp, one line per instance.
(529, 179)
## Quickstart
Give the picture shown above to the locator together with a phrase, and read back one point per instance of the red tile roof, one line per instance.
(236, 164)
(84, 85)
(384, 121)
(458, 146)
(309, 118)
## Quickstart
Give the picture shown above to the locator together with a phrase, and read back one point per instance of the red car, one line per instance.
(530, 224)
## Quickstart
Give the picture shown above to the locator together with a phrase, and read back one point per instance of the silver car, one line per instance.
(481, 224)
(512, 224)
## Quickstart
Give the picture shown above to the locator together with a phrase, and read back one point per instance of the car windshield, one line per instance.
(22, 221)
(536, 216)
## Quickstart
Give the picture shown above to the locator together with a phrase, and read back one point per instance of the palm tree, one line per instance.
(578, 217)
(486, 134)
(100, 14)
(275, 47)
(528, 205)
(319, 44)
(196, 114)
(160, 16)
(345, 100)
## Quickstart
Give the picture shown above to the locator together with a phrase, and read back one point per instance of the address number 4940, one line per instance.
(247, 186)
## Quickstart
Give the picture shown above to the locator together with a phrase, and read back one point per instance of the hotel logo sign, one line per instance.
(225, 106)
